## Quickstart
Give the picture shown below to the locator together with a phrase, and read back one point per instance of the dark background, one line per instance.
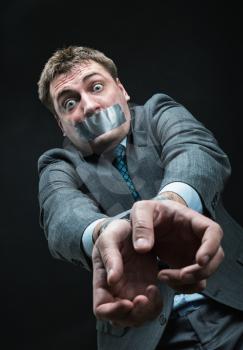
(190, 51)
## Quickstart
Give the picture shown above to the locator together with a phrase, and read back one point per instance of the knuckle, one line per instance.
(141, 224)
(140, 204)
(106, 257)
(140, 207)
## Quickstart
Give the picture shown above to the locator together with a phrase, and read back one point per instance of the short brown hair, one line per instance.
(62, 61)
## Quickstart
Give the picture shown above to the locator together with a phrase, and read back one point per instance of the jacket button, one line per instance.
(162, 319)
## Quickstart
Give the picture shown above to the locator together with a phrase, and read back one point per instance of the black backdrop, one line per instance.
(190, 51)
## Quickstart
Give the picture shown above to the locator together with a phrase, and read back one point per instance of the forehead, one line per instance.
(76, 76)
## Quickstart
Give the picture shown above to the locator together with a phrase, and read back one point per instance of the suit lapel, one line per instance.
(143, 161)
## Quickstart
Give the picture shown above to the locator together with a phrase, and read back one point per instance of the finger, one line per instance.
(143, 311)
(179, 276)
(99, 272)
(183, 275)
(213, 264)
(188, 283)
(142, 226)
(113, 311)
(210, 243)
(107, 264)
(113, 264)
(191, 274)
(207, 270)
(108, 245)
(146, 307)
(155, 302)
(126, 317)
(139, 313)
(101, 291)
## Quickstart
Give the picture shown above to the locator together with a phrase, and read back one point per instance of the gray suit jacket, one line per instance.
(165, 144)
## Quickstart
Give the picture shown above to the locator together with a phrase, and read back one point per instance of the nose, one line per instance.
(90, 105)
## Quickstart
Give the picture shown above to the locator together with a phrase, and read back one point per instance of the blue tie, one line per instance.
(121, 165)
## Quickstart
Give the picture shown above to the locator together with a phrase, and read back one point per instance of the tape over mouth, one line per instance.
(101, 122)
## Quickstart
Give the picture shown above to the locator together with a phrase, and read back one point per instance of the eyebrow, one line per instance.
(88, 76)
(66, 91)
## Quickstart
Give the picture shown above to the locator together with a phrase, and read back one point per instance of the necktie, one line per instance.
(121, 165)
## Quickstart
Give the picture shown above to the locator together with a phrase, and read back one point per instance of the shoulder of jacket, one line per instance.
(56, 155)
(160, 101)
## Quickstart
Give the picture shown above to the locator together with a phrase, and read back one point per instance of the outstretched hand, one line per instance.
(188, 242)
(124, 281)
(125, 255)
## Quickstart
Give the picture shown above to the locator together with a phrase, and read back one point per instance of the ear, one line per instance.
(127, 97)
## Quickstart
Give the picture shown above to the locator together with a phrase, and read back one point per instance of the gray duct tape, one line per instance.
(101, 122)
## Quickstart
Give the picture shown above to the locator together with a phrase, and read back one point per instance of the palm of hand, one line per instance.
(175, 242)
(130, 297)
(139, 272)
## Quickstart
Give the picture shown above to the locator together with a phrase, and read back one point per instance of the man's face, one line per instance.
(78, 94)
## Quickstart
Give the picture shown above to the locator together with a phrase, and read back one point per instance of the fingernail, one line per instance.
(205, 259)
(141, 243)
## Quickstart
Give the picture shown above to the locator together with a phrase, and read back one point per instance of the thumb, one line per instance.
(142, 226)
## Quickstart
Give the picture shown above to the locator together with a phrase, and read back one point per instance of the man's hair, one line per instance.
(62, 61)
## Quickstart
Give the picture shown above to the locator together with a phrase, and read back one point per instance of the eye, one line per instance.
(97, 87)
(69, 104)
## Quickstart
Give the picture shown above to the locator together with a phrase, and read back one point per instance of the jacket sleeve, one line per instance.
(65, 209)
(189, 152)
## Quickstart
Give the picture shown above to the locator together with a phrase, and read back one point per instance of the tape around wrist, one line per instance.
(107, 223)
(160, 197)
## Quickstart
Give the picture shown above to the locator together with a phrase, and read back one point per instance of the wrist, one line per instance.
(169, 195)
(96, 231)
(101, 226)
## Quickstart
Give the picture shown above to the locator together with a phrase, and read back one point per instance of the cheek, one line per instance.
(68, 128)
(69, 120)
(110, 100)
(115, 96)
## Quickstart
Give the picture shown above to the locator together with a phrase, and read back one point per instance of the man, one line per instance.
(127, 192)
